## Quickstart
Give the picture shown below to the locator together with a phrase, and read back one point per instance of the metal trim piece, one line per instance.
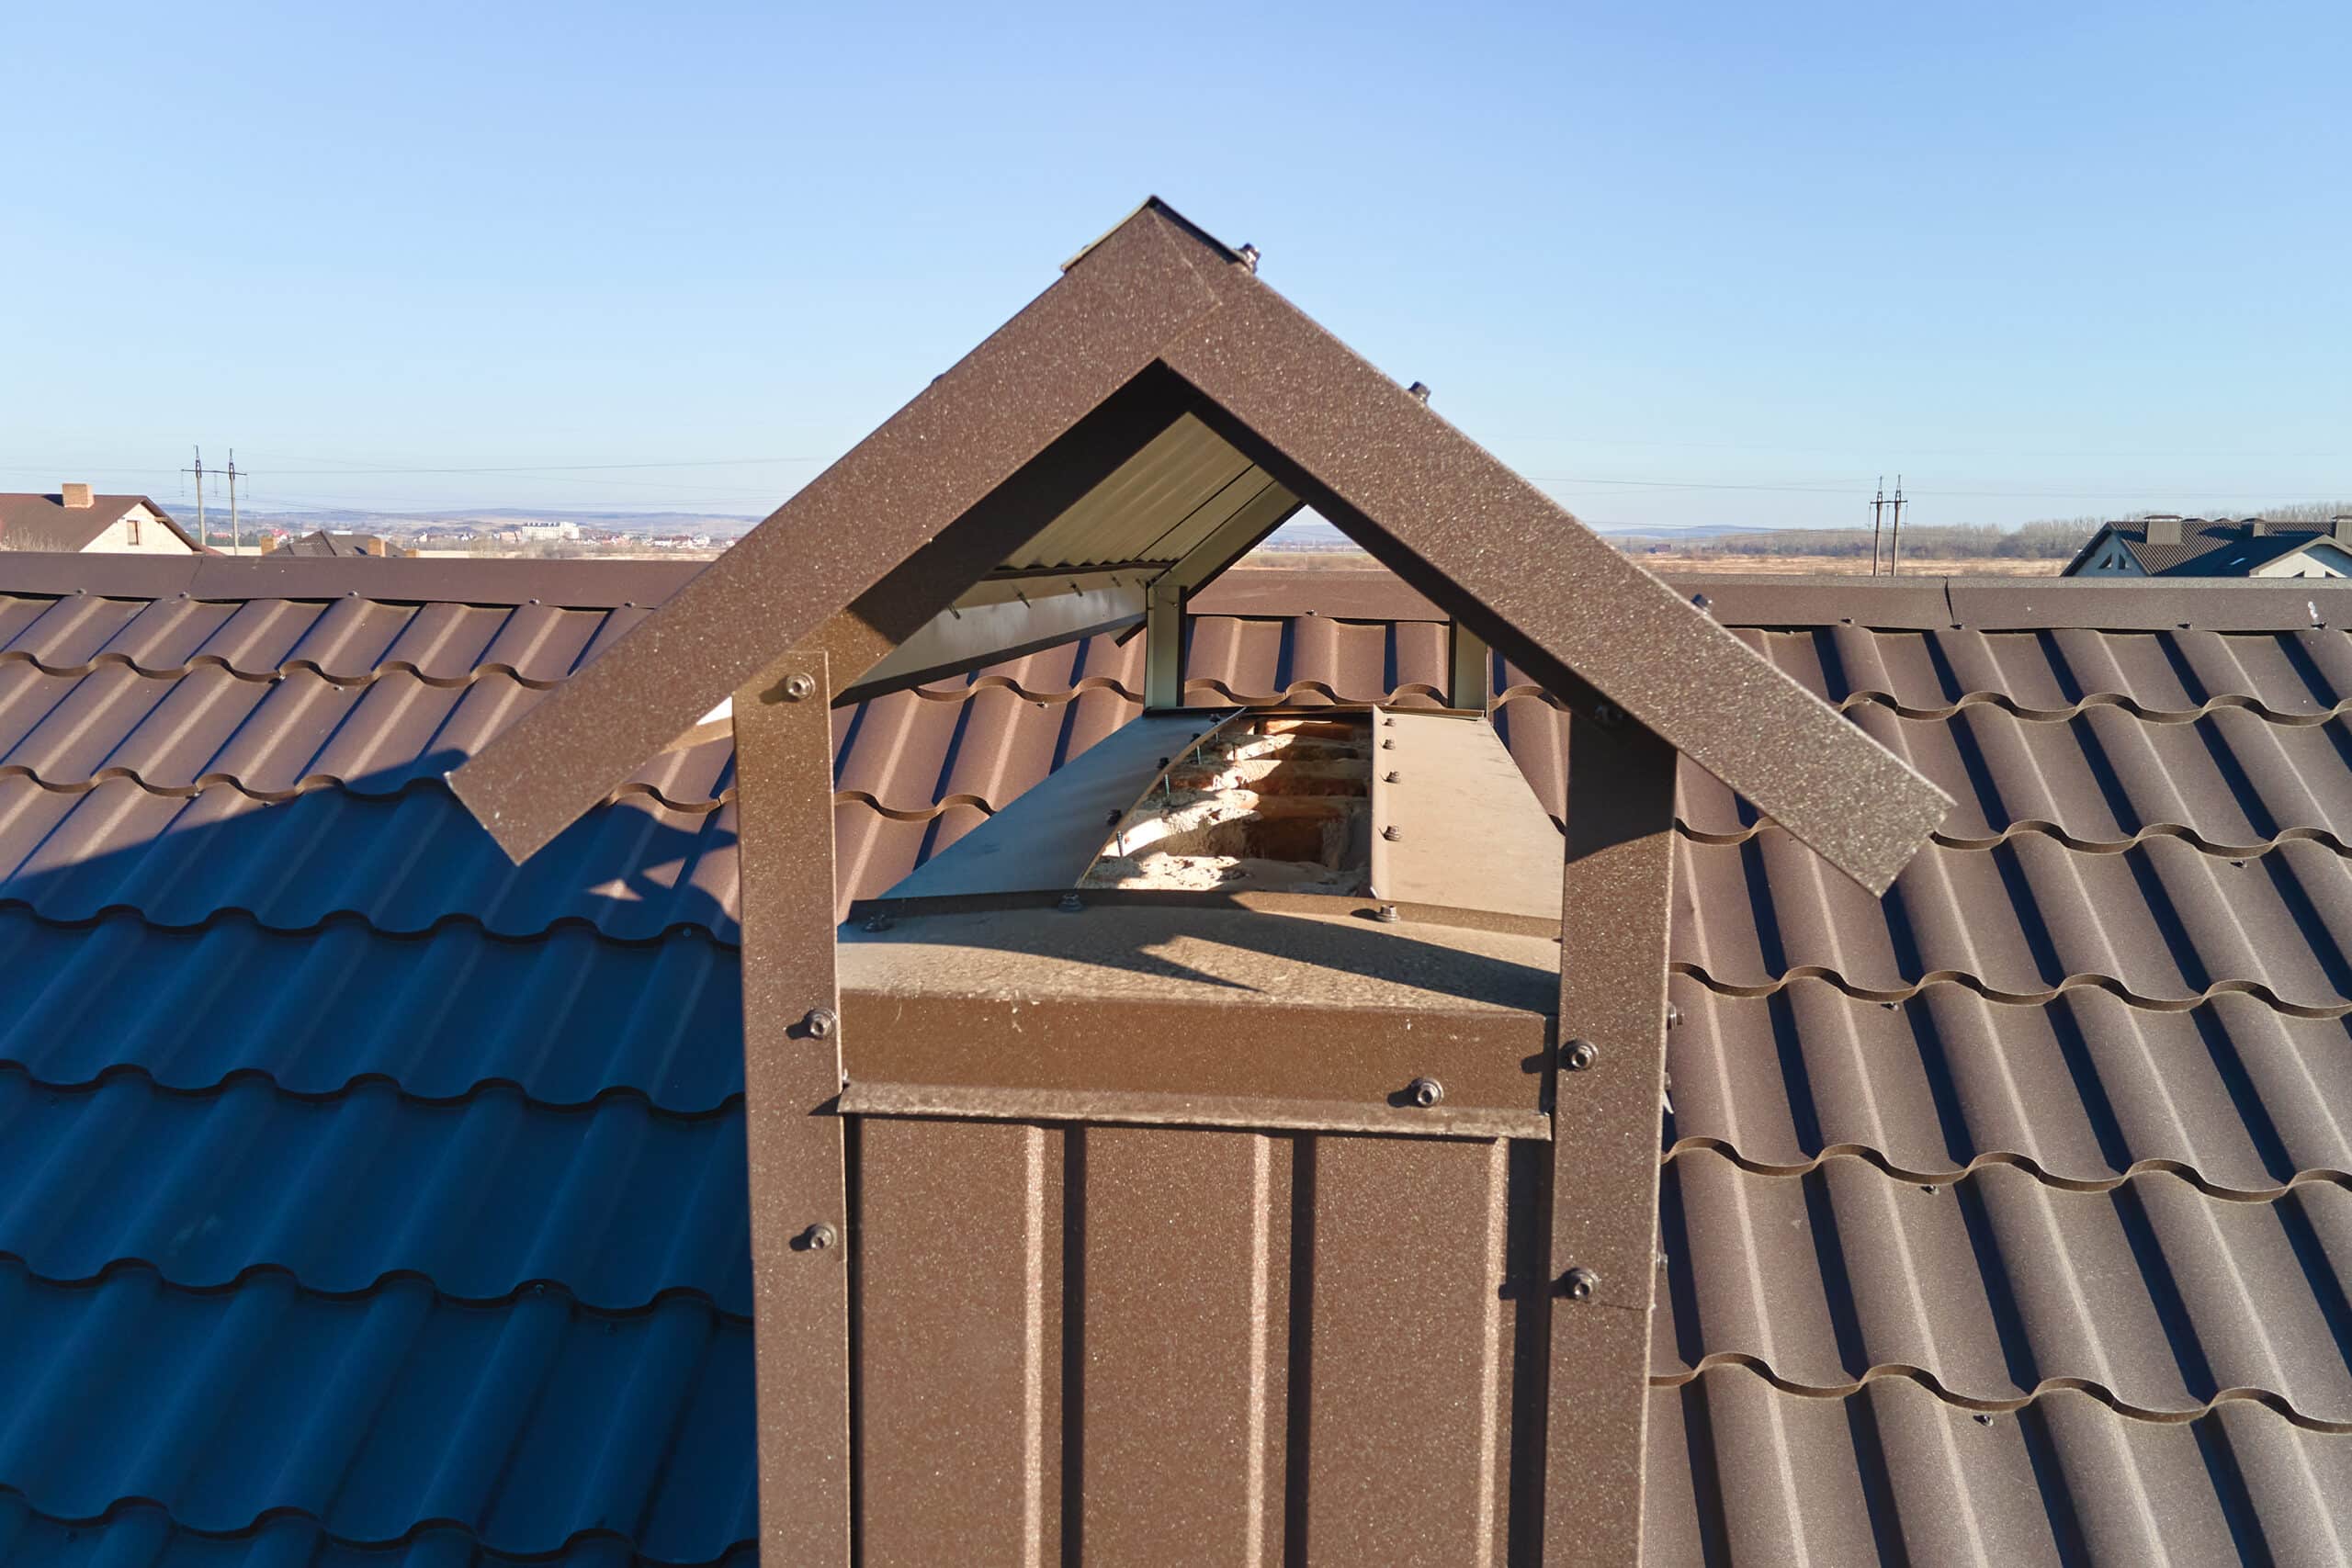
(928, 490)
(1471, 832)
(1616, 894)
(791, 1080)
(1142, 1108)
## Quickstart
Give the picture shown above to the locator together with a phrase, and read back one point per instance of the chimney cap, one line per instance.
(75, 495)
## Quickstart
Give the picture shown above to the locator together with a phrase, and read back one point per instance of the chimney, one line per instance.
(2256, 527)
(77, 497)
(2163, 529)
(2341, 528)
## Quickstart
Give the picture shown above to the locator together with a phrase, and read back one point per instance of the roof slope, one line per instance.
(320, 542)
(2217, 548)
(266, 1037)
(46, 522)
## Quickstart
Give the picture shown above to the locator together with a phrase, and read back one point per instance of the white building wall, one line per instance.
(150, 538)
(2316, 559)
(2111, 559)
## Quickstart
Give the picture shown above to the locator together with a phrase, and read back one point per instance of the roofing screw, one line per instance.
(821, 1023)
(1391, 776)
(1392, 832)
(1249, 254)
(1388, 745)
(1581, 1055)
(1608, 715)
(877, 921)
(818, 1238)
(1578, 1284)
(1070, 904)
(1419, 391)
(1425, 1092)
(1673, 1016)
(1386, 914)
(799, 688)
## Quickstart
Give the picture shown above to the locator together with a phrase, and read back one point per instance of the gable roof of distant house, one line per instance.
(320, 543)
(2205, 548)
(36, 522)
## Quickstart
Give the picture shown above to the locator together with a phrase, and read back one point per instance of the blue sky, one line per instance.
(1683, 262)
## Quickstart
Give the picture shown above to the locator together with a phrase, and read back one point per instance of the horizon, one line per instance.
(1673, 266)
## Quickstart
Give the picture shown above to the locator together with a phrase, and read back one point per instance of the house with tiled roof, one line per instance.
(73, 518)
(2174, 546)
(370, 1193)
(321, 542)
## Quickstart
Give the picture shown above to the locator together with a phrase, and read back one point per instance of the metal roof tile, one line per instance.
(618, 1201)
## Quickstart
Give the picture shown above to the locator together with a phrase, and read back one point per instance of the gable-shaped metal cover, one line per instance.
(1185, 484)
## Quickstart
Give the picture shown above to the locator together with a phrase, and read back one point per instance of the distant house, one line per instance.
(322, 543)
(548, 533)
(76, 520)
(2171, 546)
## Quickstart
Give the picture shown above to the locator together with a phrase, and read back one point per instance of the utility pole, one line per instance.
(1878, 505)
(1895, 539)
(236, 534)
(198, 472)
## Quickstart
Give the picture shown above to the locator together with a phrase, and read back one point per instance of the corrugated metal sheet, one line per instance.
(1182, 486)
(2178, 1020)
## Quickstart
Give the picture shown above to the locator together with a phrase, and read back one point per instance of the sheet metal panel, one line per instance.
(1182, 485)
(1469, 833)
(960, 1249)
(1407, 1414)
(1183, 1354)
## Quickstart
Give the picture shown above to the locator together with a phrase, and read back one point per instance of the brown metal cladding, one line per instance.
(800, 1226)
(1619, 853)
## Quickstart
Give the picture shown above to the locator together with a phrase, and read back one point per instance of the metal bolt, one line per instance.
(1391, 776)
(820, 1022)
(1607, 716)
(1249, 254)
(1578, 1284)
(1386, 914)
(1389, 722)
(1673, 1017)
(1388, 745)
(1392, 832)
(877, 921)
(818, 1238)
(1425, 1092)
(1419, 391)
(1070, 904)
(1579, 1055)
(799, 688)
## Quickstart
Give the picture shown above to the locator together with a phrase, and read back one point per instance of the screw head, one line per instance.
(1391, 776)
(1386, 914)
(1392, 832)
(877, 921)
(1579, 1055)
(799, 688)
(820, 1022)
(1578, 1284)
(819, 1237)
(1425, 1092)
(1070, 904)
(1388, 745)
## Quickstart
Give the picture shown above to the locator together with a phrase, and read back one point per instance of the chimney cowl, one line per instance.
(77, 497)
(2163, 530)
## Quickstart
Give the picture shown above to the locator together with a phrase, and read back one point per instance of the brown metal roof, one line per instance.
(2104, 1018)
(1151, 328)
(319, 542)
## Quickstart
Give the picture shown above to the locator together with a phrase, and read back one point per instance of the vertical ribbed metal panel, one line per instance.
(1235, 1347)
(958, 1308)
(1185, 1343)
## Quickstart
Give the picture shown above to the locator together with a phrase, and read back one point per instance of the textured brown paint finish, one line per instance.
(784, 756)
(959, 1339)
(1615, 902)
(1409, 1412)
(1059, 359)
(1528, 578)
(1184, 1346)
